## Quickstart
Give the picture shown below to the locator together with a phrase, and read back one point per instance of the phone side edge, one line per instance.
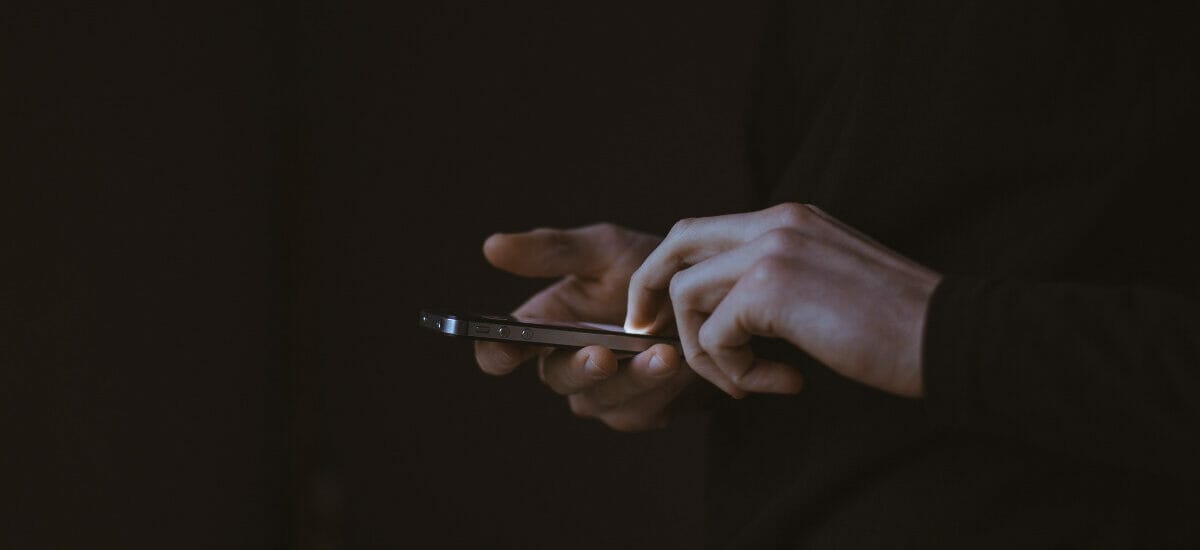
(443, 322)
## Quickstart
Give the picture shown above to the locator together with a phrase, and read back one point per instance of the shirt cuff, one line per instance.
(950, 351)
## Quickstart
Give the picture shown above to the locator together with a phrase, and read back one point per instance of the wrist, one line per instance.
(909, 377)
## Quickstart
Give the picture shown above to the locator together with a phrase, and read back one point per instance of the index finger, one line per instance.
(583, 251)
(691, 241)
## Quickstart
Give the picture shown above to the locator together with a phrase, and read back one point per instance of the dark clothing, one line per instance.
(1038, 154)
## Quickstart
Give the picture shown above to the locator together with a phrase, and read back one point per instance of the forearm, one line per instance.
(1108, 373)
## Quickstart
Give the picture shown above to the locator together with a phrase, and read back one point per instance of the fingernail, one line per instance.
(591, 367)
(630, 327)
(657, 365)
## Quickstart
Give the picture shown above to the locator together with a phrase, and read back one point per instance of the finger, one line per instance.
(688, 242)
(726, 335)
(553, 302)
(704, 285)
(693, 240)
(571, 371)
(499, 358)
(689, 323)
(654, 408)
(646, 372)
(557, 301)
(584, 252)
(697, 290)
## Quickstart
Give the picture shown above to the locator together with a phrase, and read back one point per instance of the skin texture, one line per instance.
(790, 272)
(594, 264)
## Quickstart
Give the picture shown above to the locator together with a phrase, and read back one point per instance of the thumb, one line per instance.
(584, 252)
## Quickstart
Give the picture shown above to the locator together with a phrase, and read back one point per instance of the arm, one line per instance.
(790, 272)
(1111, 374)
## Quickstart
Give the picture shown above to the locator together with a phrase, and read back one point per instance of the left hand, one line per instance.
(792, 272)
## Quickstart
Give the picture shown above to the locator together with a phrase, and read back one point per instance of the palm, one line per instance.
(595, 265)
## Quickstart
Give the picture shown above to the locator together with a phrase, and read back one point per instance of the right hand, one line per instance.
(595, 263)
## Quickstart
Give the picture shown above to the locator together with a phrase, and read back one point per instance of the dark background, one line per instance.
(221, 219)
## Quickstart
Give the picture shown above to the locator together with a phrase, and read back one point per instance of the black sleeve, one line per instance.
(1107, 373)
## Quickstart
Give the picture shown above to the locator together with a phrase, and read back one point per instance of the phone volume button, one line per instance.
(526, 334)
(503, 332)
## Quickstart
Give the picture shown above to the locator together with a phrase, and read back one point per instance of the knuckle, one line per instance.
(681, 226)
(678, 287)
(738, 379)
(793, 214)
(635, 279)
(708, 337)
(606, 231)
(582, 406)
(782, 240)
(628, 423)
(768, 271)
(693, 353)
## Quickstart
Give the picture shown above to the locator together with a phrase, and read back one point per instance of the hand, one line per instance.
(595, 263)
(791, 272)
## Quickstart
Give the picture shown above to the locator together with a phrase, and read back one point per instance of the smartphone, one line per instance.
(541, 332)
